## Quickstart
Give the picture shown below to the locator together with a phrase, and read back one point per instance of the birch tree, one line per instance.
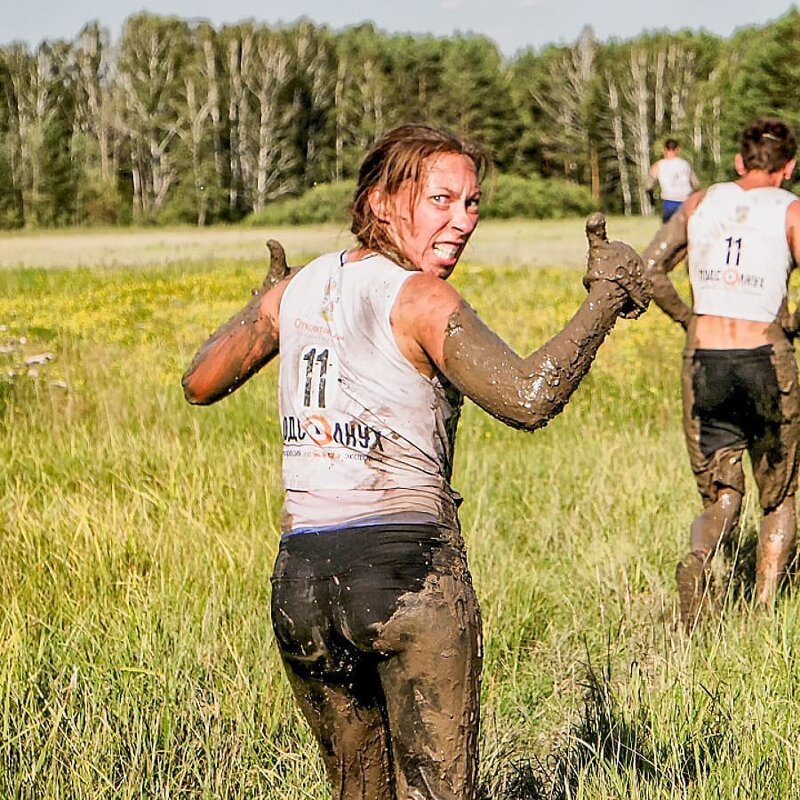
(93, 115)
(313, 96)
(199, 127)
(268, 156)
(39, 106)
(152, 53)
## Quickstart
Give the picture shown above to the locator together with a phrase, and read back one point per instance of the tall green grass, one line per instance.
(137, 536)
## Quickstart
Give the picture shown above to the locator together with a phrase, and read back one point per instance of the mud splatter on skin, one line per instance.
(240, 347)
(351, 735)
(616, 262)
(716, 522)
(528, 392)
(775, 545)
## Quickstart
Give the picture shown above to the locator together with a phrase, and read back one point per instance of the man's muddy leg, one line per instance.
(708, 530)
(775, 471)
(351, 735)
(775, 544)
(432, 688)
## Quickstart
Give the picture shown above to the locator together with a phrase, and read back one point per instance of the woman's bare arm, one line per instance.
(244, 344)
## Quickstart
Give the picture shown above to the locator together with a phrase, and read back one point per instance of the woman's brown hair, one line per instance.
(400, 155)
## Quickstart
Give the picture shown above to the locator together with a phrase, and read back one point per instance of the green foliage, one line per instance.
(506, 197)
(766, 78)
(326, 202)
(179, 209)
(11, 215)
(476, 98)
(99, 201)
(189, 124)
(55, 205)
(511, 196)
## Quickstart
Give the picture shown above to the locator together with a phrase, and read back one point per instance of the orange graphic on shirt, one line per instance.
(319, 429)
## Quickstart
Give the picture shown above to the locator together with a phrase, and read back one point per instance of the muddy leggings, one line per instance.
(379, 631)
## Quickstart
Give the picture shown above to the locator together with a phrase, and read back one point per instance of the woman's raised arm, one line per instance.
(528, 392)
(244, 344)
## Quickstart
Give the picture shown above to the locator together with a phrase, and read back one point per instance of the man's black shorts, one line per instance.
(736, 399)
(743, 400)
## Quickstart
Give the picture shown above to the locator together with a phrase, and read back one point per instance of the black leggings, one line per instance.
(379, 631)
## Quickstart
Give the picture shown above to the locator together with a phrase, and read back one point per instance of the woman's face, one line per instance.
(432, 230)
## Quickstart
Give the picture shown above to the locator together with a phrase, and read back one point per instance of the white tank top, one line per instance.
(739, 259)
(364, 433)
(675, 179)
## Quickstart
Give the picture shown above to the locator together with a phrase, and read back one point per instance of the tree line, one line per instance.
(179, 121)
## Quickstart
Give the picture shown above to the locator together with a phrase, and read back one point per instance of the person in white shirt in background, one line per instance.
(674, 176)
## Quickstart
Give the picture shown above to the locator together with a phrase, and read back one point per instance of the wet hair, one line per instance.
(671, 145)
(400, 155)
(767, 143)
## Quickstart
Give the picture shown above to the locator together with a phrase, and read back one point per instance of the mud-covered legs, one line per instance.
(775, 544)
(352, 736)
(404, 726)
(380, 633)
(432, 690)
(716, 522)
(708, 530)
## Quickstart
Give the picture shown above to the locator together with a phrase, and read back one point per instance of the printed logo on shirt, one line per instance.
(731, 277)
(319, 430)
(309, 328)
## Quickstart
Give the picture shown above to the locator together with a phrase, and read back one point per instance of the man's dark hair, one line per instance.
(671, 145)
(768, 143)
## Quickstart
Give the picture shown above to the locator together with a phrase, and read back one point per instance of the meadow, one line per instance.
(137, 536)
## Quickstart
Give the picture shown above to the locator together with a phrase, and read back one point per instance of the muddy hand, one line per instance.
(278, 268)
(616, 262)
(596, 231)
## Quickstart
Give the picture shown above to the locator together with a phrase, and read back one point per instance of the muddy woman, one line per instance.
(740, 391)
(372, 606)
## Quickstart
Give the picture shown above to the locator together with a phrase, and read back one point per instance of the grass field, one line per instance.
(137, 536)
(506, 243)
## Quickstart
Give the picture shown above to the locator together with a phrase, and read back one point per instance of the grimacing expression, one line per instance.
(432, 228)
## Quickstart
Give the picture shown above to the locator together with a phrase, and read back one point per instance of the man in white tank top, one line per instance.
(740, 390)
(675, 177)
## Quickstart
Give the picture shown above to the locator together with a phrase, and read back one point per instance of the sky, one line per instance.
(513, 24)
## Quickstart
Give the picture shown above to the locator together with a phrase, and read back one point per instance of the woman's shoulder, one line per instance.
(425, 297)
